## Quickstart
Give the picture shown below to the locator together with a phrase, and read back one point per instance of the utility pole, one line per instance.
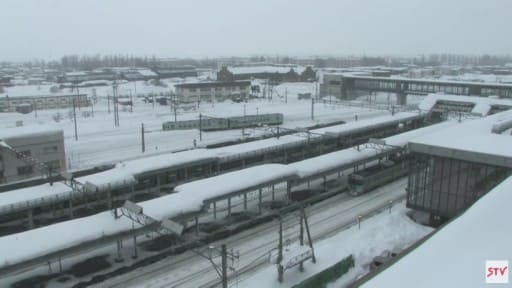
(312, 109)
(200, 127)
(243, 126)
(108, 103)
(74, 119)
(222, 271)
(142, 138)
(74, 114)
(175, 108)
(280, 270)
(224, 255)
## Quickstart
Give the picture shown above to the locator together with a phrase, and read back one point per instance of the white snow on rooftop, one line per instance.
(473, 136)
(32, 193)
(28, 131)
(265, 69)
(188, 198)
(125, 173)
(455, 256)
(482, 104)
(326, 162)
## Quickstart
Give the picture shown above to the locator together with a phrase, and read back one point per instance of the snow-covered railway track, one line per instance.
(326, 218)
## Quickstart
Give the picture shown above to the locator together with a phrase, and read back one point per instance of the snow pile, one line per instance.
(385, 231)
(455, 256)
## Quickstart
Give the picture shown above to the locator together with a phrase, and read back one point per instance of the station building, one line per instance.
(27, 152)
(454, 167)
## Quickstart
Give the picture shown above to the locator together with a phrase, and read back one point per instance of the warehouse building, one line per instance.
(27, 152)
(212, 91)
(26, 104)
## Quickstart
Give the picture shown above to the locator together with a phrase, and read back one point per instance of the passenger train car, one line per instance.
(235, 122)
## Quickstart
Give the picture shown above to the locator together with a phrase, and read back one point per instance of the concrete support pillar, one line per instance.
(245, 201)
(196, 220)
(214, 210)
(288, 191)
(119, 257)
(229, 206)
(401, 98)
(109, 199)
(70, 208)
(273, 193)
(31, 224)
(259, 200)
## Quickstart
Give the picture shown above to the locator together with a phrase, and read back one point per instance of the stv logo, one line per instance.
(496, 271)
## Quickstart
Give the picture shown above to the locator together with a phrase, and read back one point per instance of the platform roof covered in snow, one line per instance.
(482, 141)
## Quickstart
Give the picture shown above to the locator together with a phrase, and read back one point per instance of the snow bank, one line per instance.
(455, 256)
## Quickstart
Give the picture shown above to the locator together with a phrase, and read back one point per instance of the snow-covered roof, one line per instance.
(188, 198)
(125, 173)
(265, 69)
(330, 161)
(473, 136)
(232, 182)
(28, 131)
(482, 104)
(34, 194)
(456, 255)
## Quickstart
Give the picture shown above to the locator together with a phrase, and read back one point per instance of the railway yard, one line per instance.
(151, 220)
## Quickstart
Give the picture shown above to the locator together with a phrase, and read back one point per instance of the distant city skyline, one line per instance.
(50, 29)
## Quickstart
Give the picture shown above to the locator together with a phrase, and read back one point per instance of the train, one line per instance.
(377, 175)
(234, 122)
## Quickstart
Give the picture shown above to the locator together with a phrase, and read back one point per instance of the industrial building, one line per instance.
(27, 152)
(208, 91)
(275, 74)
(26, 104)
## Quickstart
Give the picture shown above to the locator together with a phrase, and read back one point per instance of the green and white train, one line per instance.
(234, 122)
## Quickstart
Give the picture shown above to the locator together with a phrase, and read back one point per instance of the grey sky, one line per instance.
(50, 29)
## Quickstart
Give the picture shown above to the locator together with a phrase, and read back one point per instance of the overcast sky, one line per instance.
(49, 29)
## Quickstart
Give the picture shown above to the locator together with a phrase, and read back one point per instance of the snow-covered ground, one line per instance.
(100, 142)
(386, 231)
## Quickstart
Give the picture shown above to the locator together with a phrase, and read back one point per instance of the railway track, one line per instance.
(204, 275)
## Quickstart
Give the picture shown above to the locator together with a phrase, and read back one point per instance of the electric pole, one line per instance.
(224, 266)
(200, 127)
(312, 109)
(74, 113)
(142, 138)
